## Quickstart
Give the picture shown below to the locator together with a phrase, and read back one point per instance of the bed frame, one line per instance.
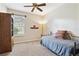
(75, 51)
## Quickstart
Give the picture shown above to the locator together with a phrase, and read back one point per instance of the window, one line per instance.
(18, 25)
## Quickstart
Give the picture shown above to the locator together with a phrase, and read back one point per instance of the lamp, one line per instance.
(42, 22)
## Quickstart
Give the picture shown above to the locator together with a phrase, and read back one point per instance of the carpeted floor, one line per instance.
(29, 49)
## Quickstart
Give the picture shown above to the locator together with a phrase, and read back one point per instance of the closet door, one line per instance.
(5, 32)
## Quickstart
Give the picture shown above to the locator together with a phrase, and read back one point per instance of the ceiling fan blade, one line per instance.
(33, 9)
(39, 9)
(43, 4)
(28, 6)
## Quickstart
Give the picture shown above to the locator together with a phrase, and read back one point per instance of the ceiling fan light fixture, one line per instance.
(35, 5)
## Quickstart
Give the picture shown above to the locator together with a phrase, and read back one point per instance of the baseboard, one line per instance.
(26, 41)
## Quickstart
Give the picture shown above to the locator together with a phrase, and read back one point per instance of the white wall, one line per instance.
(3, 8)
(77, 22)
(64, 18)
(30, 34)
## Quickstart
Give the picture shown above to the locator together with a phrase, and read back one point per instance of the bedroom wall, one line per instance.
(30, 34)
(77, 22)
(64, 17)
(2, 8)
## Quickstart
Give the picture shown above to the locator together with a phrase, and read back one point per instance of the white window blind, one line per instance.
(18, 25)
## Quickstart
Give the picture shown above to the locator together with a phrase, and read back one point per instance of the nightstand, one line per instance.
(45, 35)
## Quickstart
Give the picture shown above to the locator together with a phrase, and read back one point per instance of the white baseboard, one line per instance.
(26, 41)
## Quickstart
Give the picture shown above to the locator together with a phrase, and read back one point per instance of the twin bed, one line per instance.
(61, 47)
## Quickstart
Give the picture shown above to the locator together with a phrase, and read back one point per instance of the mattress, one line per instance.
(59, 46)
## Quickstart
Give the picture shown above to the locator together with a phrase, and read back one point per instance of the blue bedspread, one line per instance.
(59, 46)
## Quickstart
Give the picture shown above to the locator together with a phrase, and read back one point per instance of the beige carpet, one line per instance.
(29, 49)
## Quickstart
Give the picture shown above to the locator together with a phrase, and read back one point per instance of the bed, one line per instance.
(61, 47)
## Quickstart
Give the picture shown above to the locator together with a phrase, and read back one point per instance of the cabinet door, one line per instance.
(5, 26)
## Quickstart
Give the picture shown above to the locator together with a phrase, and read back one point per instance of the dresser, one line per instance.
(5, 33)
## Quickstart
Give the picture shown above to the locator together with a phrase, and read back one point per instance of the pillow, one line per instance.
(59, 34)
(71, 35)
(62, 34)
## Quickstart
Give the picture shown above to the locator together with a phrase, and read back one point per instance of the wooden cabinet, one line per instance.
(5, 32)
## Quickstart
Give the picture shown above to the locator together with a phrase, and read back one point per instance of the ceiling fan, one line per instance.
(35, 5)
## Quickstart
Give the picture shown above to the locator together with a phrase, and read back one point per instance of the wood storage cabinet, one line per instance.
(5, 32)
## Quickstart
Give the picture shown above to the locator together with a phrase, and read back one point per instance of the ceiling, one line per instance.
(20, 7)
